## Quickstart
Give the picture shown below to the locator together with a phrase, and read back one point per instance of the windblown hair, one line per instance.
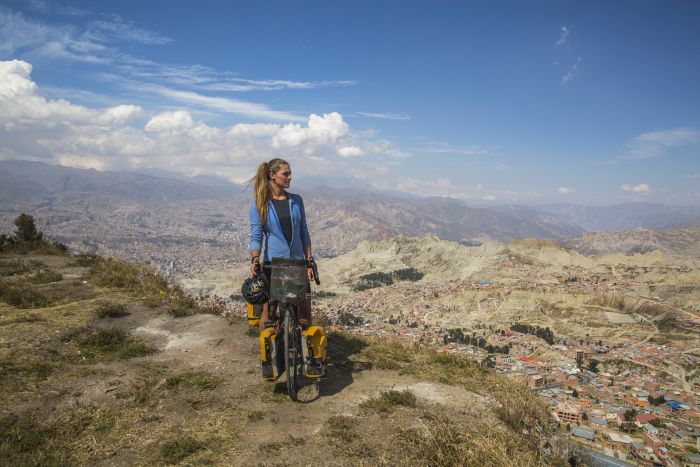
(261, 185)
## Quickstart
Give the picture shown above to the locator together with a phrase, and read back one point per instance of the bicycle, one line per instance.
(289, 286)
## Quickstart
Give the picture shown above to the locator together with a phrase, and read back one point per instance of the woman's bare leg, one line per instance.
(305, 310)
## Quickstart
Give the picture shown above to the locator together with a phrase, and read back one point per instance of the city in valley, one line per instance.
(611, 343)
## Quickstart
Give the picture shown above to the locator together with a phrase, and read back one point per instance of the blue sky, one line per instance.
(526, 102)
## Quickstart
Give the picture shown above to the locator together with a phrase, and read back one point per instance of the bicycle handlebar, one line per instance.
(315, 270)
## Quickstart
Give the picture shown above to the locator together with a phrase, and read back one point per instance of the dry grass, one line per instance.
(106, 345)
(193, 379)
(111, 310)
(522, 419)
(13, 267)
(387, 401)
(21, 295)
(178, 449)
(441, 442)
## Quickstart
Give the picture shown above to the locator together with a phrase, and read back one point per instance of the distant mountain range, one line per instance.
(627, 216)
(198, 222)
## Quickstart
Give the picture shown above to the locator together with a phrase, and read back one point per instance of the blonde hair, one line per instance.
(261, 185)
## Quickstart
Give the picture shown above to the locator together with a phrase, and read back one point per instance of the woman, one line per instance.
(277, 217)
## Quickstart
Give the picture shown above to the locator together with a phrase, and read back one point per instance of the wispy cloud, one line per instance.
(570, 74)
(563, 36)
(657, 143)
(693, 176)
(243, 85)
(220, 104)
(100, 43)
(445, 148)
(640, 188)
(385, 116)
(117, 29)
(46, 8)
(566, 190)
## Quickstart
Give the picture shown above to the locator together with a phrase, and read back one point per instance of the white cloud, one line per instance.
(56, 130)
(489, 198)
(640, 188)
(693, 176)
(570, 74)
(351, 151)
(566, 190)
(563, 36)
(657, 143)
(169, 121)
(385, 116)
(120, 114)
(321, 130)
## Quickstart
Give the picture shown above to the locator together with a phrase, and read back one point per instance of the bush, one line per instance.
(22, 296)
(12, 268)
(145, 281)
(45, 277)
(111, 310)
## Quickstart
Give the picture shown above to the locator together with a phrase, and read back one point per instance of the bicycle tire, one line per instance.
(291, 352)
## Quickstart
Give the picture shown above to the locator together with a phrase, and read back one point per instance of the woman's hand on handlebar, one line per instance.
(255, 266)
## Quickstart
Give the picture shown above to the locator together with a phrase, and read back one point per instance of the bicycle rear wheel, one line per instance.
(291, 353)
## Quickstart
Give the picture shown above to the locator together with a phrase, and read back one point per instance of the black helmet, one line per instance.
(256, 290)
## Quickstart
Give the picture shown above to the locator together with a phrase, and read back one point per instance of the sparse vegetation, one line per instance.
(111, 310)
(380, 279)
(45, 277)
(545, 334)
(28, 239)
(22, 295)
(324, 294)
(13, 267)
(108, 344)
(386, 401)
(178, 449)
(193, 379)
(144, 281)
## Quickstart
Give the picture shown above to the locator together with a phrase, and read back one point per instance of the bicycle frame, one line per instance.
(287, 317)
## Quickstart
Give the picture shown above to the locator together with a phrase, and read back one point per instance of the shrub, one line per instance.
(12, 268)
(22, 296)
(45, 277)
(111, 310)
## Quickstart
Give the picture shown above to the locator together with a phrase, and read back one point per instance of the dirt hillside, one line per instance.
(102, 364)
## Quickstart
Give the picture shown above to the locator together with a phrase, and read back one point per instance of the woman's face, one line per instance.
(283, 177)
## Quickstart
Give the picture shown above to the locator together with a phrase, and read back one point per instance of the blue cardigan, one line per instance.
(276, 245)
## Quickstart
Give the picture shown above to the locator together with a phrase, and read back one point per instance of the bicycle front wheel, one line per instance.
(292, 354)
